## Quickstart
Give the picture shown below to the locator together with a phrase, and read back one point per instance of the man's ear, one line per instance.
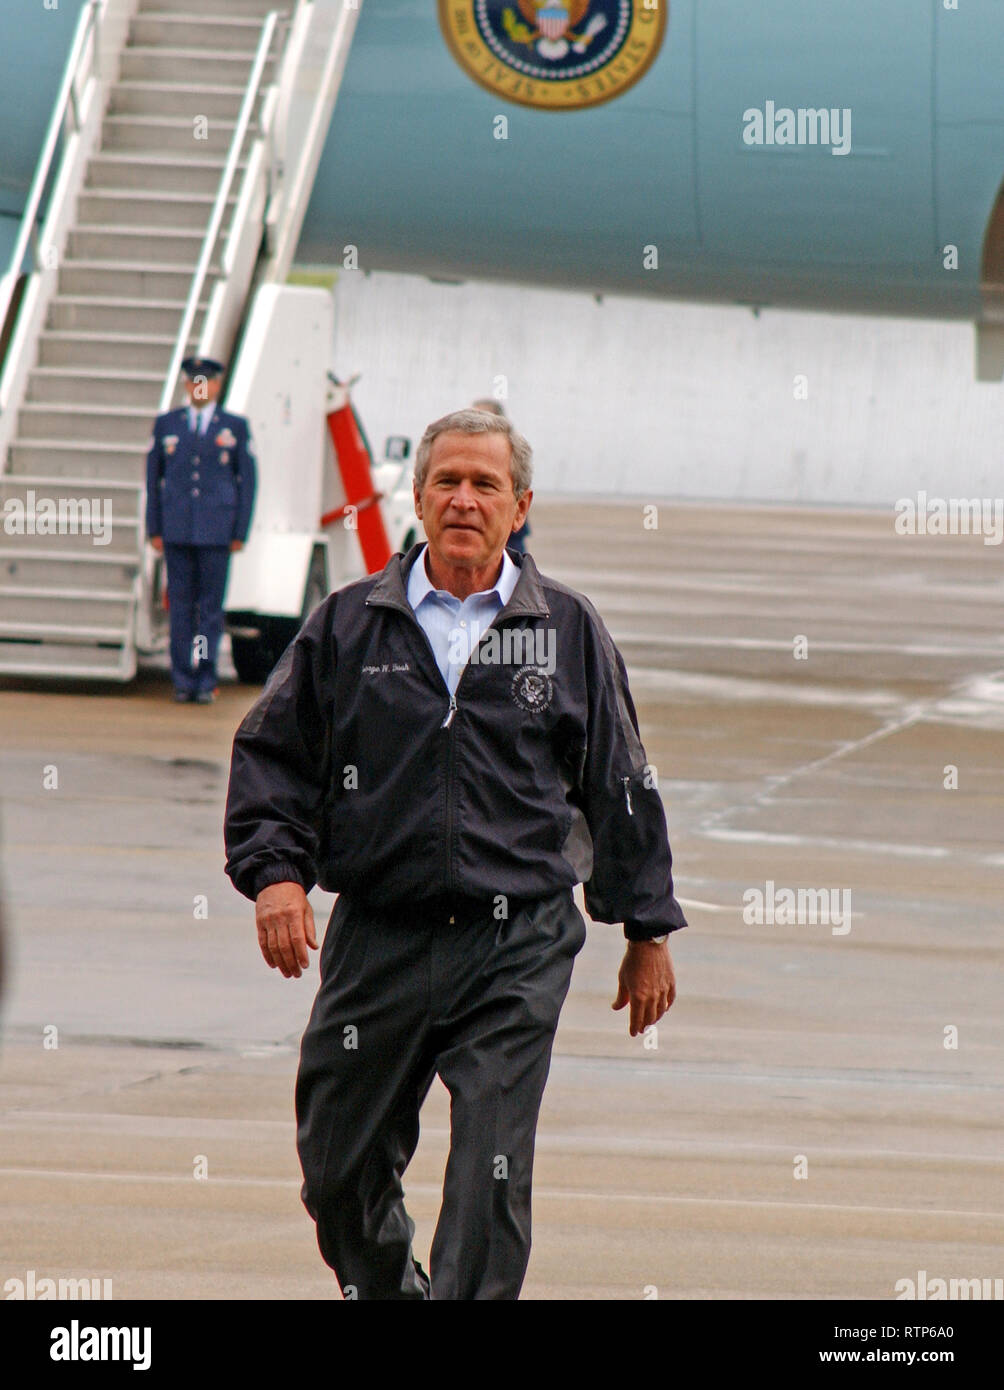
(418, 501)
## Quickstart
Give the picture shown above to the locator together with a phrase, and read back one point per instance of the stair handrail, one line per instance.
(331, 23)
(219, 208)
(66, 101)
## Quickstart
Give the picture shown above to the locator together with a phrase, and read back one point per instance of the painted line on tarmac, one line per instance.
(557, 1194)
(835, 842)
(554, 1141)
(913, 714)
(784, 644)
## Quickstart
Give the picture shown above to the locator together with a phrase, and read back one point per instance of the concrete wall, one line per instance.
(666, 399)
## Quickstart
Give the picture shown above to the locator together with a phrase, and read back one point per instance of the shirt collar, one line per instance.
(420, 586)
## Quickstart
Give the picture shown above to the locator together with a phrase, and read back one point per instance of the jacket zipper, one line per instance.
(447, 724)
(627, 794)
(447, 721)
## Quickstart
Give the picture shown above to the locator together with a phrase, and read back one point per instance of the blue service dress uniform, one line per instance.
(200, 486)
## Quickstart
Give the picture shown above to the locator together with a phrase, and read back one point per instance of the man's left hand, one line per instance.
(236, 545)
(645, 980)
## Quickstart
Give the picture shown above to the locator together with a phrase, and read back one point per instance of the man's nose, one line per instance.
(463, 495)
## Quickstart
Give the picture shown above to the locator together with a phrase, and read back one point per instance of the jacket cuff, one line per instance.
(278, 873)
(645, 931)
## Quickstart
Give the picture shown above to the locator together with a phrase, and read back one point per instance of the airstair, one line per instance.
(172, 186)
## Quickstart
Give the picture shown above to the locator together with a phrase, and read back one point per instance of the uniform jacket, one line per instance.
(357, 769)
(200, 488)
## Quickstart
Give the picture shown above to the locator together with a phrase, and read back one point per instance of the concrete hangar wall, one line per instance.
(657, 398)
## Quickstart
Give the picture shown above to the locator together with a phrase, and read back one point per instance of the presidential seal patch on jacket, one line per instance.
(557, 55)
(532, 689)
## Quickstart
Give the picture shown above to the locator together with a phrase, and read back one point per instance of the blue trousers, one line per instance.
(196, 578)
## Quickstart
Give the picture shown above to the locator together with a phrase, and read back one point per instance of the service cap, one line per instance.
(202, 366)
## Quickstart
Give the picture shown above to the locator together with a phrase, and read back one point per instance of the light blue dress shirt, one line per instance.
(454, 626)
(201, 414)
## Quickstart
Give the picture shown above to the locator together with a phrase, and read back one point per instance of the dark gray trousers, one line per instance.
(404, 996)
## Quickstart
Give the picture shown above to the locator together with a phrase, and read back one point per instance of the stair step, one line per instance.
(110, 279)
(94, 386)
(78, 661)
(207, 30)
(73, 609)
(203, 67)
(122, 540)
(43, 631)
(68, 659)
(96, 572)
(92, 313)
(251, 8)
(185, 210)
(63, 593)
(177, 99)
(173, 246)
(121, 351)
(167, 134)
(82, 517)
(51, 420)
(161, 174)
(91, 463)
(66, 484)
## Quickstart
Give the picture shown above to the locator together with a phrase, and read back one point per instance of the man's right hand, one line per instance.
(285, 927)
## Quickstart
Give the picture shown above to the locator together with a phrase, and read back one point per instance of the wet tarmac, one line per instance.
(820, 1115)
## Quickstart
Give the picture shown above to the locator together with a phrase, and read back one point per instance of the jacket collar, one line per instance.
(391, 589)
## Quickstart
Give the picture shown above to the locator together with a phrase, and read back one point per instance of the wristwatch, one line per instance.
(658, 940)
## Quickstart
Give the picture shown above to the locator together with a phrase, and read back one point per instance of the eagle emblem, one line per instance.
(556, 55)
(532, 689)
(549, 28)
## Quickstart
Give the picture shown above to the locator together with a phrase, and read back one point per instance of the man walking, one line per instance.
(200, 484)
(451, 746)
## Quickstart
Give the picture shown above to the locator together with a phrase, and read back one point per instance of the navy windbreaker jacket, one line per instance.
(356, 768)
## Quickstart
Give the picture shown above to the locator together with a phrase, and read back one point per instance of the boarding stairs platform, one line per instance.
(167, 185)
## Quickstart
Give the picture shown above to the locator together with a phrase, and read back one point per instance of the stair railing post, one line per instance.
(61, 115)
(219, 208)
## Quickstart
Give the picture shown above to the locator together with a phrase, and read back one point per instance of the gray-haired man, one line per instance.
(414, 753)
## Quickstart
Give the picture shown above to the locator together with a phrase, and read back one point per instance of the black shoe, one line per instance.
(205, 697)
(182, 697)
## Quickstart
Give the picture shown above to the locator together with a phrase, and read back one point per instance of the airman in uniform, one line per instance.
(200, 489)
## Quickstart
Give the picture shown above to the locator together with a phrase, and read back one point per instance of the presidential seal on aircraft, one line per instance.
(557, 55)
